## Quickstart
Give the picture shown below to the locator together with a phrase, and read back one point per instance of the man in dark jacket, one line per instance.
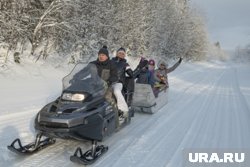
(105, 67)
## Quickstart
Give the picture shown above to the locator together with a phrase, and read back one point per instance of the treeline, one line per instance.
(76, 29)
(242, 53)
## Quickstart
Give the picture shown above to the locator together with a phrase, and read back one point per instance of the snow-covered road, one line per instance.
(208, 107)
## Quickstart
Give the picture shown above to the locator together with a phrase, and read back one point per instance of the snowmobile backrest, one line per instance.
(143, 96)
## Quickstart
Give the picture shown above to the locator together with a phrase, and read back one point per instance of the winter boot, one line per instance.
(122, 117)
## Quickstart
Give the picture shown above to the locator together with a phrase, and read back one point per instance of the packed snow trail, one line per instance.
(208, 107)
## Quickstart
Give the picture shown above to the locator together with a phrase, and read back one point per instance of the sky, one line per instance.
(228, 21)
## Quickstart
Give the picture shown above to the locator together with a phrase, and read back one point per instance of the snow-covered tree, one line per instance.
(76, 29)
(242, 53)
(17, 21)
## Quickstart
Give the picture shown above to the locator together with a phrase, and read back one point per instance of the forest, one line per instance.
(76, 29)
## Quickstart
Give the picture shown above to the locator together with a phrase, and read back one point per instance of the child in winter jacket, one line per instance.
(161, 77)
(146, 75)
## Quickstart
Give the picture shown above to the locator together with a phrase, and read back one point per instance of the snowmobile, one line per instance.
(81, 112)
(144, 99)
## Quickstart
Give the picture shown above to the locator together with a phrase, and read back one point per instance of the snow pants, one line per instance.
(121, 103)
(129, 88)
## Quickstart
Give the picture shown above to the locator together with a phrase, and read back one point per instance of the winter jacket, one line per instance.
(123, 69)
(151, 79)
(143, 77)
(107, 71)
(146, 77)
(162, 73)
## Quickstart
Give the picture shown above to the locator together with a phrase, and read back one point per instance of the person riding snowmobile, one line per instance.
(126, 76)
(151, 69)
(105, 67)
(123, 69)
(161, 77)
(144, 76)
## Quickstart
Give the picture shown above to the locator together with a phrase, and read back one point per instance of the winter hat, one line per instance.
(151, 62)
(104, 50)
(121, 49)
(163, 63)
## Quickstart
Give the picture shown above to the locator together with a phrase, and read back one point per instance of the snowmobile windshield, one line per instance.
(83, 78)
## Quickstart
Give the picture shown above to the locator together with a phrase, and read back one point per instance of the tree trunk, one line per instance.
(7, 53)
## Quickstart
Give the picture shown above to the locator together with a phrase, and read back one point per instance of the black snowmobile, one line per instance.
(81, 112)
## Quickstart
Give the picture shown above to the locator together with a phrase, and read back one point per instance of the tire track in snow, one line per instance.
(191, 118)
(242, 108)
(217, 110)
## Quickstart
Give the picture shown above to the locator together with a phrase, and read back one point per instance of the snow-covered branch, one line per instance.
(163, 28)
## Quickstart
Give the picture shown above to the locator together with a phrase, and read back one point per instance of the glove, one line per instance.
(142, 64)
(180, 60)
(129, 73)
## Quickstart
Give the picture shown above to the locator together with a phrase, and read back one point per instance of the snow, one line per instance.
(208, 107)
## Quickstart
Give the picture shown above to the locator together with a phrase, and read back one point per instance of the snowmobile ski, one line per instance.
(90, 156)
(31, 148)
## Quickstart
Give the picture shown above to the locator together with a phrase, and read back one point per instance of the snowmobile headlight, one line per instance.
(78, 97)
(73, 97)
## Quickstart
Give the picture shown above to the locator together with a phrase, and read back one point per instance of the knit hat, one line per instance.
(121, 49)
(104, 50)
(151, 62)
